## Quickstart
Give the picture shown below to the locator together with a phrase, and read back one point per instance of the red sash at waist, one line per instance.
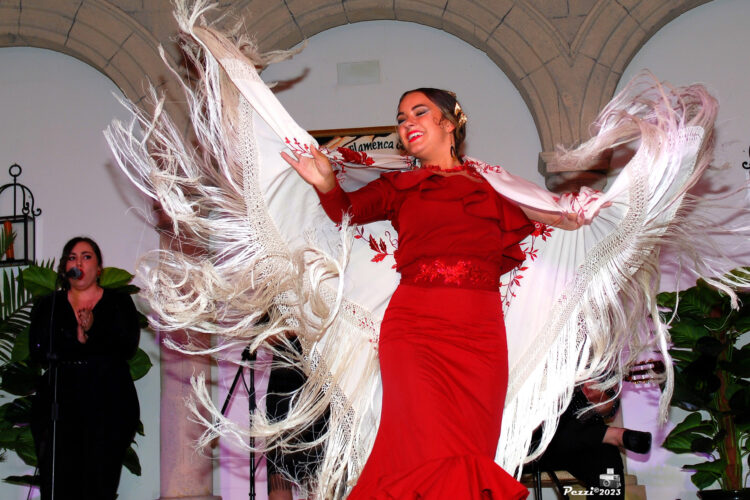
(452, 271)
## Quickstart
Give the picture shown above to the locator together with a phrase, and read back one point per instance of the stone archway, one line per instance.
(564, 57)
(94, 31)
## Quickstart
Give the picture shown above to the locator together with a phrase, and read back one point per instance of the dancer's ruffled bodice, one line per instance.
(453, 230)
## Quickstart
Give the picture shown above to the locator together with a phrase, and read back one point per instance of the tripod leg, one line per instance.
(231, 390)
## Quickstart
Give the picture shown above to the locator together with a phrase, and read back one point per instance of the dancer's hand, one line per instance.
(566, 220)
(316, 171)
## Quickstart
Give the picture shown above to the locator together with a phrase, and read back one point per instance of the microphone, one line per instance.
(74, 273)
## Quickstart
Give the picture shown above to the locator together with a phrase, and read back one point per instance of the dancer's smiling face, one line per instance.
(425, 133)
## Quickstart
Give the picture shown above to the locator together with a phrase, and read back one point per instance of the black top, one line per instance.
(114, 334)
(93, 379)
(97, 406)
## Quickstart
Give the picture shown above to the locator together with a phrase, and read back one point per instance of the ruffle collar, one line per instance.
(428, 179)
(476, 194)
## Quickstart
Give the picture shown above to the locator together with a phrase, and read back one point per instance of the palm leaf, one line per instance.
(113, 277)
(40, 280)
(15, 312)
(15, 304)
(23, 480)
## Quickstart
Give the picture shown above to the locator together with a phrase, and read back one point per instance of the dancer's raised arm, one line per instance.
(568, 221)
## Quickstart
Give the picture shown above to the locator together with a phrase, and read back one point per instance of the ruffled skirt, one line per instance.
(443, 362)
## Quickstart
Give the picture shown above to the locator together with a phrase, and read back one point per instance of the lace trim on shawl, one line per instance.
(614, 244)
(566, 332)
(586, 333)
(350, 315)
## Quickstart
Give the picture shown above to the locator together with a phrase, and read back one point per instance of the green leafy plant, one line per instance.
(19, 373)
(712, 365)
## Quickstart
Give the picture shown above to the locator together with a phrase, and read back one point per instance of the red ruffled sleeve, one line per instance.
(515, 227)
(375, 201)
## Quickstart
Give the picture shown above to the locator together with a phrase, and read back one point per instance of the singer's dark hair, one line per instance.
(64, 284)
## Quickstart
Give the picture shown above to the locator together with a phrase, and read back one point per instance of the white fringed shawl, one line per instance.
(580, 311)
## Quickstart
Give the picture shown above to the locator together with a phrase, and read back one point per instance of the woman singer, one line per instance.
(84, 334)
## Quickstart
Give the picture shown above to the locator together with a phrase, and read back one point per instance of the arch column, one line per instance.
(565, 58)
(186, 473)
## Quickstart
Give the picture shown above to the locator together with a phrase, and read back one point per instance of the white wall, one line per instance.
(707, 45)
(53, 110)
(500, 128)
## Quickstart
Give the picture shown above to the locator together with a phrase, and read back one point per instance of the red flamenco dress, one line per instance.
(442, 346)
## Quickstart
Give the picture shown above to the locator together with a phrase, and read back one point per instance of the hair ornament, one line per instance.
(459, 114)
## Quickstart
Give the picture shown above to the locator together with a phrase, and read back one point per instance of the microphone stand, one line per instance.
(54, 376)
(52, 358)
(247, 356)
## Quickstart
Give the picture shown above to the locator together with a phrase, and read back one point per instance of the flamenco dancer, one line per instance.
(435, 375)
(442, 348)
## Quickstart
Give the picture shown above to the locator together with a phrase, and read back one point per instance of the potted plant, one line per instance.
(19, 374)
(711, 357)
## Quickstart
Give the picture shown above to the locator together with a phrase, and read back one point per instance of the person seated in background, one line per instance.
(284, 470)
(587, 447)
